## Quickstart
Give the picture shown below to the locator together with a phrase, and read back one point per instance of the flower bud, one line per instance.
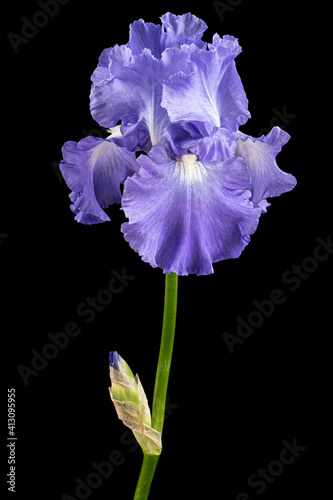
(131, 404)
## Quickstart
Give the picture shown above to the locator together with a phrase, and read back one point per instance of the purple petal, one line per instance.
(93, 169)
(186, 28)
(175, 31)
(111, 64)
(213, 92)
(110, 72)
(259, 154)
(185, 215)
(146, 35)
(134, 95)
(114, 360)
(219, 146)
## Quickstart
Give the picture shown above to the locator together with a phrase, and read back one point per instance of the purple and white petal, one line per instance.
(93, 169)
(213, 93)
(134, 96)
(110, 72)
(267, 180)
(185, 215)
(219, 146)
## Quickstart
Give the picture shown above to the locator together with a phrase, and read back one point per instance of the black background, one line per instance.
(229, 413)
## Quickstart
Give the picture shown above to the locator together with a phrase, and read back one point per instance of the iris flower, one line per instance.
(194, 185)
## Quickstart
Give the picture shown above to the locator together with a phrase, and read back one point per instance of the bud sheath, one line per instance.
(131, 405)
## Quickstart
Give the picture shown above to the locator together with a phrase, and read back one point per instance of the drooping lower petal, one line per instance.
(267, 180)
(185, 215)
(93, 169)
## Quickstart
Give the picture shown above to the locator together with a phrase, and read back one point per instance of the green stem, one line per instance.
(161, 381)
(165, 355)
(146, 476)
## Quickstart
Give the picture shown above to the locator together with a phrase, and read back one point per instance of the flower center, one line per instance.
(191, 167)
(189, 160)
(115, 132)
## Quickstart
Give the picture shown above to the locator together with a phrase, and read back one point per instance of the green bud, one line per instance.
(131, 405)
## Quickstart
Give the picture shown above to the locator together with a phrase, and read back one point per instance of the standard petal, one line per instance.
(267, 180)
(110, 72)
(110, 64)
(93, 169)
(174, 32)
(185, 215)
(219, 146)
(146, 35)
(186, 28)
(213, 92)
(135, 96)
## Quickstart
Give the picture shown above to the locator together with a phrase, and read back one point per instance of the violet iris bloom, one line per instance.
(194, 185)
